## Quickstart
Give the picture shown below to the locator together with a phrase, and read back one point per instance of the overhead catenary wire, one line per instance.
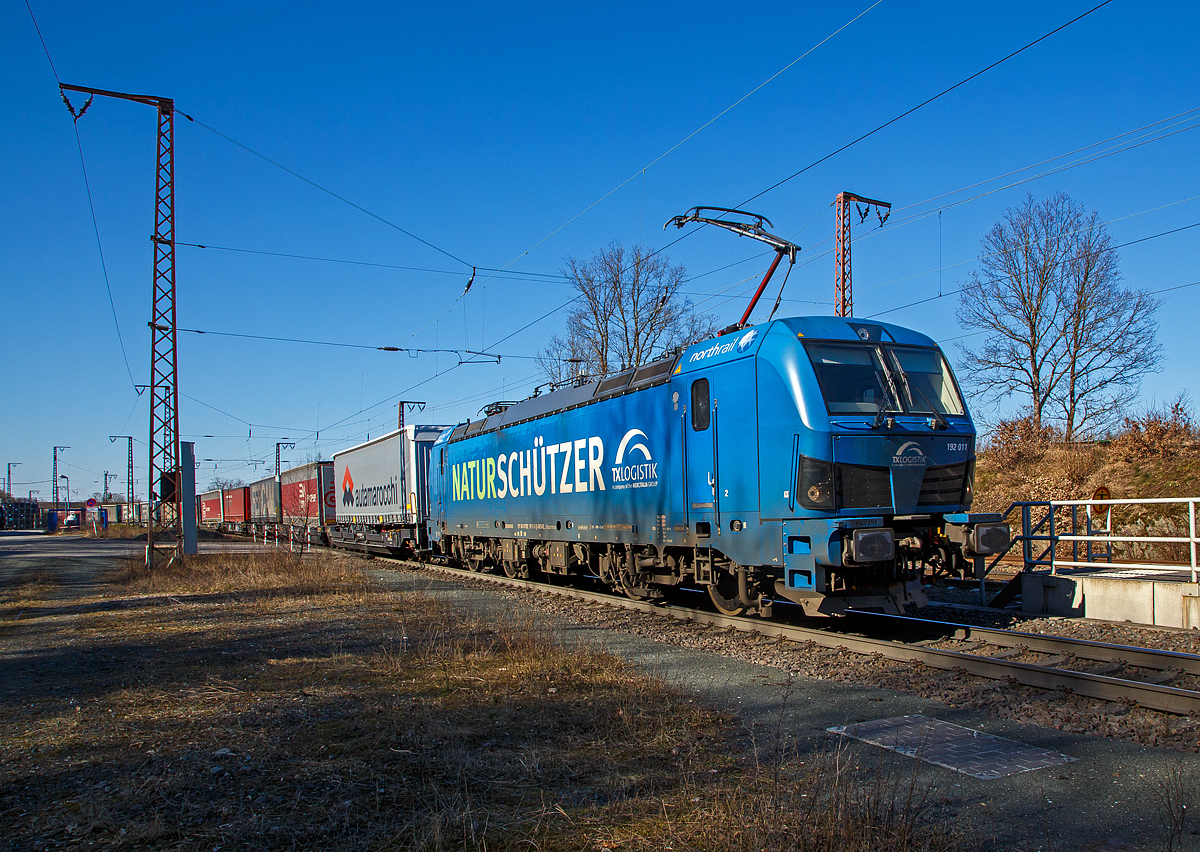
(896, 222)
(861, 138)
(974, 259)
(91, 204)
(1067, 260)
(512, 275)
(324, 189)
(924, 103)
(641, 171)
(411, 350)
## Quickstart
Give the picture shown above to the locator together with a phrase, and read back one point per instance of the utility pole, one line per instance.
(56, 449)
(414, 406)
(8, 483)
(129, 480)
(277, 447)
(843, 297)
(164, 470)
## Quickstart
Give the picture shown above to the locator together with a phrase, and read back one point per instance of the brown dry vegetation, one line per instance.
(114, 531)
(269, 701)
(1155, 454)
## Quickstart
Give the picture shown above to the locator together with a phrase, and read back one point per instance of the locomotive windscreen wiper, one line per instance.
(909, 387)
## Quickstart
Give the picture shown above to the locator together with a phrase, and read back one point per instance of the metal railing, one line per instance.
(1046, 525)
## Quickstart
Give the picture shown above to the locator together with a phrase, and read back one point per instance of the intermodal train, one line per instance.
(823, 461)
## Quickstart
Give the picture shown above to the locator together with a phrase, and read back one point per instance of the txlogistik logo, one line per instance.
(910, 454)
(642, 474)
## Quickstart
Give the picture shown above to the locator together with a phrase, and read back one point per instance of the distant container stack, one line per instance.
(21, 515)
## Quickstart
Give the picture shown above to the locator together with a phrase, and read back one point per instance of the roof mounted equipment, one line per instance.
(753, 229)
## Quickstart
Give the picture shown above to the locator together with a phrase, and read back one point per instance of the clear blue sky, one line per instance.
(491, 131)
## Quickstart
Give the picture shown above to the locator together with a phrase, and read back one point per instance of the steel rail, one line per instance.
(1153, 696)
(1086, 649)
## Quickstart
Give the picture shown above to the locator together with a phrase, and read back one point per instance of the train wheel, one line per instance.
(513, 570)
(724, 594)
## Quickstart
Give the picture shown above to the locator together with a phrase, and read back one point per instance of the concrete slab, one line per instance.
(955, 747)
(1163, 597)
(1046, 594)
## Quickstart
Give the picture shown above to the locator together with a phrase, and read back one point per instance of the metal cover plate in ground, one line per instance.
(961, 749)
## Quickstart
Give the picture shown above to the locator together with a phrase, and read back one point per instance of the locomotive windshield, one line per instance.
(867, 378)
(927, 381)
(852, 377)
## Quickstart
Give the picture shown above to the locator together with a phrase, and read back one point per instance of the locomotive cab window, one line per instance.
(700, 407)
(928, 383)
(852, 378)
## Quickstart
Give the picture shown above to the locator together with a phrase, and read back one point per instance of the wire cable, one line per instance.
(91, 204)
(925, 102)
(514, 275)
(1067, 260)
(899, 222)
(324, 189)
(459, 352)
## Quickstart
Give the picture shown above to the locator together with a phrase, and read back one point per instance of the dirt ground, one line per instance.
(261, 700)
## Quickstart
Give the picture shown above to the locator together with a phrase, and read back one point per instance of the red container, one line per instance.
(306, 494)
(210, 508)
(237, 504)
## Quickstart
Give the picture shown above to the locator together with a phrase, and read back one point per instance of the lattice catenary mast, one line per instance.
(129, 480)
(164, 473)
(843, 296)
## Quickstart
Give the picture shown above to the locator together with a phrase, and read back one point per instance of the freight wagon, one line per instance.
(307, 497)
(264, 504)
(235, 508)
(211, 509)
(381, 493)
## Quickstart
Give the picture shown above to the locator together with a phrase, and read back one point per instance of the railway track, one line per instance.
(1126, 674)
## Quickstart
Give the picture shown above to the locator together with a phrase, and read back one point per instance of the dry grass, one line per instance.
(271, 701)
(114, 531)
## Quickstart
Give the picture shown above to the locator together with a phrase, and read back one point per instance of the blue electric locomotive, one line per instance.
(821, 460)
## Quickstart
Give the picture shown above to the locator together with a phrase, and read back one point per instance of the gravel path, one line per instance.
(1108, 799)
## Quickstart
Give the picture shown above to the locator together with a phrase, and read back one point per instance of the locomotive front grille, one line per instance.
(864, 487)
(942, 485)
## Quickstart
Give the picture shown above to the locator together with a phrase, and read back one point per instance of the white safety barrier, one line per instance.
(1090, 523)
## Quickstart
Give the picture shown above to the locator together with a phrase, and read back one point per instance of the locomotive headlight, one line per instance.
(814, 484)
(872, 545)
(987, 539)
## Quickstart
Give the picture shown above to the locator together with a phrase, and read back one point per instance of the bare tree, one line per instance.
(629, 312)
(221, 483)
(1062, 332)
